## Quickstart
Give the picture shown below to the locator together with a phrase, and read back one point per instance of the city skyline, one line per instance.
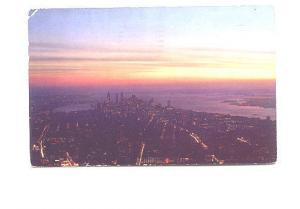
(152, 86)
(128, 131)
(134, 46)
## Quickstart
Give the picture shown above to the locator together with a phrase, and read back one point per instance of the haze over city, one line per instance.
(152, 86)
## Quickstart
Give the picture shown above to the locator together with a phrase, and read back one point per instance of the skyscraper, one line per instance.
(108, 97)
(117, 98)
(122, 96)
(169, 103)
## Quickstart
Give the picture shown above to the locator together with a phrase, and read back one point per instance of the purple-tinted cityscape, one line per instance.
(152, 86)
(123, 129)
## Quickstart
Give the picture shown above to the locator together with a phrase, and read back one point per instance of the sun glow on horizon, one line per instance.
(142, 49)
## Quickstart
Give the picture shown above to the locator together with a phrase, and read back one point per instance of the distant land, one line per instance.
(256, 102)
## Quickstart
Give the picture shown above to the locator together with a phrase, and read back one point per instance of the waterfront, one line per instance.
(124, 129)
(200, 100)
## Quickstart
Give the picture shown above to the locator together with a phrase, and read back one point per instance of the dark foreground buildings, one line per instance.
(130, 131)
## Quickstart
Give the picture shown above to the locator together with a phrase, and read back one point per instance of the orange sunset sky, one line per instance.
(125, 46)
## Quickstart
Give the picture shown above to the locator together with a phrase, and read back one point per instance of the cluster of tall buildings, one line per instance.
(133, 131)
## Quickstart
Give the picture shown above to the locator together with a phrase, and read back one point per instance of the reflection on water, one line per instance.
(214, 104)
(202, 100)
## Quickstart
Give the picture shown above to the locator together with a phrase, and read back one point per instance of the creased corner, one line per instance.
(31, 13)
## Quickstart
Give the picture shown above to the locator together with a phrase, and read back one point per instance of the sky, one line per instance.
(125, 46)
